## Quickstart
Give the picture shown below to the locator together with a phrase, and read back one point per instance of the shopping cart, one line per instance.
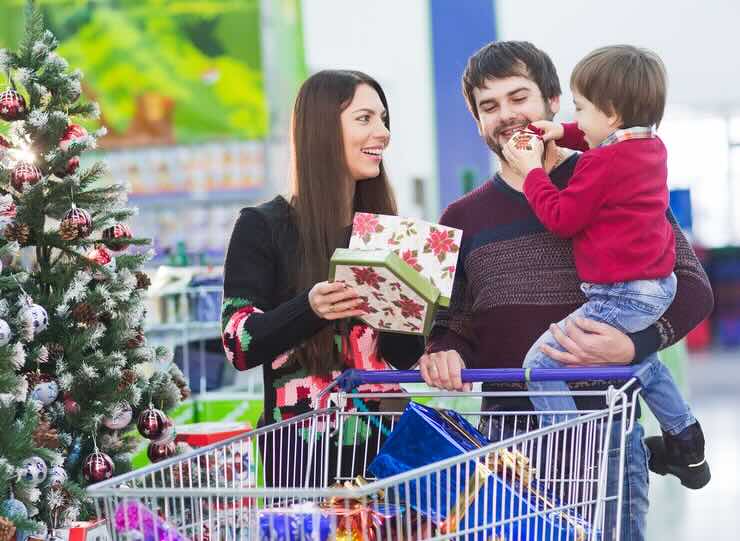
(279, 481)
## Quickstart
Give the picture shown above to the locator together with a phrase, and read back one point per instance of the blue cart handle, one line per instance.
(352, 378)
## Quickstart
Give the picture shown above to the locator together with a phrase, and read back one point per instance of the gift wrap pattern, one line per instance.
(477, 494)
(430, 249)
(395, 297)
(402, 268)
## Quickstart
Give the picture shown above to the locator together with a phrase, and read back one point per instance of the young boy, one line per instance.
(614, 209)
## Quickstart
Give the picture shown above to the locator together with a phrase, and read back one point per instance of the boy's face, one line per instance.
(508, 104)
(593, 122)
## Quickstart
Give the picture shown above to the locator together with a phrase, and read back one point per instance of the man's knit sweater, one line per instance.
(514, 278)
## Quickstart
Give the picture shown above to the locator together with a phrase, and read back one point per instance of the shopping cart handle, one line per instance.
(352, 378)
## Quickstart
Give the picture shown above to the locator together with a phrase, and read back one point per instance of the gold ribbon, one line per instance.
(354, 514)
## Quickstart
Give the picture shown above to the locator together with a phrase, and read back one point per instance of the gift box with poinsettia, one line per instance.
(403, 269)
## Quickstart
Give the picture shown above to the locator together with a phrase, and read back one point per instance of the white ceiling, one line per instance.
(698, 41)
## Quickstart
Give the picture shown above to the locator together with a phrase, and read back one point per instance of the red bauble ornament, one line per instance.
(97, 467)
(24, 173)
(12, 106)
(69, 169)
(152, 423)
(82, 220)
(100, 255)
(71, 407)
(160, 451)
(168, 434)
(8, 209)
(116, 234)
(103, 257)
(72, 134)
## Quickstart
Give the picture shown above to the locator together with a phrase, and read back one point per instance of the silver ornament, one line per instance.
(34, 470)
(12, 508)
(57, 476)
(45, 392)
(120, 417)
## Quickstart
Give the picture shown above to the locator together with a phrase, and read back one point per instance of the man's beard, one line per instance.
(492, 140)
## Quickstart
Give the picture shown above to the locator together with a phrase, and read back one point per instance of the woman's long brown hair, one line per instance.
(324, 195)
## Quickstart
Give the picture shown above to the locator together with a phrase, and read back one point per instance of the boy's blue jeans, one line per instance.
(630, 307)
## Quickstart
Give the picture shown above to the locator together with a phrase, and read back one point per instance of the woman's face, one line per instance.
(364, 133)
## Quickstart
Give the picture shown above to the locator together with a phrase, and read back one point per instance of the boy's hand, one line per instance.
(551, 131)
(524, 152)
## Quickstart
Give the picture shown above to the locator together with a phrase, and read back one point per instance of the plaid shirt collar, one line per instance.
(638, 132)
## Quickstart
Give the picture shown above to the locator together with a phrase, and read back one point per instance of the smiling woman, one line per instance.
(279, 311)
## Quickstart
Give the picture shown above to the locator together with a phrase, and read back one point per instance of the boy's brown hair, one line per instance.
(625, 80)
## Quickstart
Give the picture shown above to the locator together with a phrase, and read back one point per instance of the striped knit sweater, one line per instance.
(515, 278)
(264, 318)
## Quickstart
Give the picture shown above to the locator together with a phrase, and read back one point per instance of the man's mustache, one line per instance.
(518, 124)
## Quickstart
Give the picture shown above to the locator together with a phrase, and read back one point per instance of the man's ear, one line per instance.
(554, 104)
(479, 125)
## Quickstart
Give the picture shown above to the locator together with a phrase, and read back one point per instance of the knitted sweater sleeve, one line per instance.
(693, 303)
(254, 329)
(452, 329)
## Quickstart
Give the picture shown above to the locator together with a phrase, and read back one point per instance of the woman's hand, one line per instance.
(524, 152)
(334, 300)
(590, 343)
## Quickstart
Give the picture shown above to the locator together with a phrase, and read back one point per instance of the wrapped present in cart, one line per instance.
(491, 489)
(430, 476)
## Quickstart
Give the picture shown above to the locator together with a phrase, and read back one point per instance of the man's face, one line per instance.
(508, 104)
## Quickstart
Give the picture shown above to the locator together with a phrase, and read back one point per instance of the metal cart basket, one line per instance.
(297, 479)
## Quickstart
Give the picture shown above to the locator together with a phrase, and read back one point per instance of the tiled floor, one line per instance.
(712, 513)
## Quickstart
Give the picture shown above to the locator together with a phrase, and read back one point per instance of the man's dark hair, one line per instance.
(500, 59)
(623, 80)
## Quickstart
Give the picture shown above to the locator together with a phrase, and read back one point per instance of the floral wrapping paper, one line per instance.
(410, 274)
(395, 297)
(430, 249)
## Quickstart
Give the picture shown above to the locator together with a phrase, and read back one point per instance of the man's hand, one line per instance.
(552, 131)
(442, 370)
(590, 343)
(523, 153)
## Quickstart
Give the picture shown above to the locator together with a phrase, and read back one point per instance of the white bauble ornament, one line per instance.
(34, 470)
(45, 392)
(57, 476)
(121, 416)
(5, 334)
(38, 316)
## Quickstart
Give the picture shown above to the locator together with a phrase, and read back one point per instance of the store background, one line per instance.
(198, 96)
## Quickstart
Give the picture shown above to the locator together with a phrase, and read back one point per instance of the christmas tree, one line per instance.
(76, 374)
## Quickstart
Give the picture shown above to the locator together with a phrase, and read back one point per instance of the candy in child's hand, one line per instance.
(523, 140)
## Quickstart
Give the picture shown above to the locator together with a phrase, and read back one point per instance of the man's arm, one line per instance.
(693, 303)
(593, 343)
